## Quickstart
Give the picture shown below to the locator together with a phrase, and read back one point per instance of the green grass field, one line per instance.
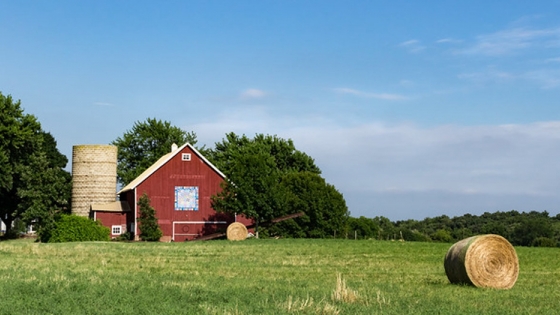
(260, 277)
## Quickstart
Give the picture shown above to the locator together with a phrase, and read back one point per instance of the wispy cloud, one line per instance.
(413, 46)
(406, 83)
(448, 41)
(511, 41)
(552, 60)
(251, 94)
(103, 104)
(543, 78)
(440, 165)
(489, 75)
(381, 96)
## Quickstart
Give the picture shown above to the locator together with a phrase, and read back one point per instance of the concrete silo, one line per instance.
(94, 176)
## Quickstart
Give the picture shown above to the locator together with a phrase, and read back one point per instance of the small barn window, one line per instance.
(186, 157)
(116, 230)
(186, 198)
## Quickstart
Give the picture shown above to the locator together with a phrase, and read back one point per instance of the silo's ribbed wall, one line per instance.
(94, 176)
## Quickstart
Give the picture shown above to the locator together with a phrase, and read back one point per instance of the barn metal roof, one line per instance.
(115, 206)
(159, 163)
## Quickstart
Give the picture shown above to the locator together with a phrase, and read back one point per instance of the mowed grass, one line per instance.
(260, 277)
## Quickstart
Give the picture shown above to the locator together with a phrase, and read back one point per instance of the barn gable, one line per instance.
(163, 160)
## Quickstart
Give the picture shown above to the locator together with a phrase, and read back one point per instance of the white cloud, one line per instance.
(552, 60)
(489, 75)
(413, 46)
(494, 159)
(485, 163)
(251, 94)
(381, 96)
(406, 83)
(448, 41)
(543, 78)
(511, 41)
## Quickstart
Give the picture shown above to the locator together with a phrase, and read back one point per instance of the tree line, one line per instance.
(34, 187)
(519, 228)
(266, 178)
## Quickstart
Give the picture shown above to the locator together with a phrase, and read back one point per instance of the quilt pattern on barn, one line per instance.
(186, 198)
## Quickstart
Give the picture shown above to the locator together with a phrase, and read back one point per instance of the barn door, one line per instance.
(189, 230)
(186, 231)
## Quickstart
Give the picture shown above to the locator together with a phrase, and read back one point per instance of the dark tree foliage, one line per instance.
(144, 144)
(34, 186)
(252, 185)
(325, 209)
(531, 229)
(363, 228)
(283, 153)
(149, 228)
(521, 229)
(387, 230)
(45, 205)
(266, 177)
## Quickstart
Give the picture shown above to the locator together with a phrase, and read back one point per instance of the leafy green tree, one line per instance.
(267, 177)
(253, 169)
(149, 228)
(442, 235)
(252, 186)
(284, 155)
(387, 229)
(531, 229)
(33, 185)
(495, 227)
(144, 144)
(44, 195)
(325, 209)
(363, 228)
(46, 204)
(414, 236)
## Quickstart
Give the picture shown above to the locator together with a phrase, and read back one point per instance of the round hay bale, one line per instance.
(487, 261)
(236, 232)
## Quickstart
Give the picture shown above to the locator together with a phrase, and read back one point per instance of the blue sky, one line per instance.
(411, 109)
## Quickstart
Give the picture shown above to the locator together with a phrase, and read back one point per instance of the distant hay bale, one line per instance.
(165, 239)
(236, 232)
(487, 261)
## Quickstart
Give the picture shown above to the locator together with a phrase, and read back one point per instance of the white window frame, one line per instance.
(116, 228)
(185, 157)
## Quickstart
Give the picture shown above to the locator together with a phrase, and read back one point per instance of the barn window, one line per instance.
(116, 230)
(186, 198)
(186, 157)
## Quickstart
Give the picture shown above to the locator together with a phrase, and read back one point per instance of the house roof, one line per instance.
(162, 161)
(115, 206)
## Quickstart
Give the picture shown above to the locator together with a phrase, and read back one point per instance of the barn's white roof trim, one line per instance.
(162, 161)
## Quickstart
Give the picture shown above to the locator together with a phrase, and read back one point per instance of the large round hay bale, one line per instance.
(236, 232)
(487, 261)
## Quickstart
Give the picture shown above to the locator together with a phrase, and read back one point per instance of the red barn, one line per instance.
(179, 186)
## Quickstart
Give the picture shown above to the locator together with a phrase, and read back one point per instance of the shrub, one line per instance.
(72, 228)
(442, 235)
(414, 236)
(149, 228)
(544, 242)
(123, 237)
